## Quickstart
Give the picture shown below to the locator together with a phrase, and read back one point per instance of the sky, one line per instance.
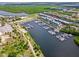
(39, 0)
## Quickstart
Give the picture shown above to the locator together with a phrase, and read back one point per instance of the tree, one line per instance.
(0, 39)
(12, 54)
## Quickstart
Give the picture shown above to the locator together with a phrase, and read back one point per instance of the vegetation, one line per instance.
(17, 18)
(35, 46)
(70, 30)
(26, 9)
(3, 20)
(73, 31)
(16, 47)
(76, 40)
(28, 37)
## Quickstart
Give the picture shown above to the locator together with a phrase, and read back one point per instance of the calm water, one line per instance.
(50, 45)
(5, 13)
(75, 6)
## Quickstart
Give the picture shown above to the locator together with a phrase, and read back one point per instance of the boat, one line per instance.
(43, 23)
(60, 37)
(51, 32)
(37, 21)
(30, 26)
(39, 24)
(70, 35)
(56, 30)
(46, 27)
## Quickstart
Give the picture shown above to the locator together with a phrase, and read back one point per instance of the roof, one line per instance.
(6, 28)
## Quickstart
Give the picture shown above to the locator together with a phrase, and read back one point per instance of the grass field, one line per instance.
(26, 9)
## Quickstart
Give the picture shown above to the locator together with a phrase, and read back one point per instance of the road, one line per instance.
(29, 43)
(28, 18)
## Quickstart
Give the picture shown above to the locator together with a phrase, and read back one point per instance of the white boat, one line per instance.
(43, 23)
(60, 38)
(56, 30)
(37, 21)
(51, 32)
(46, 27)
(30, 26)
(70, 35)
(39, 24)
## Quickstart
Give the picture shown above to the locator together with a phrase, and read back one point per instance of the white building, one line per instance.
(54, 19)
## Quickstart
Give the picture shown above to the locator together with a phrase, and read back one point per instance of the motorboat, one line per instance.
(51, 32)
(30, 26)
(60, 37)
(46, 27)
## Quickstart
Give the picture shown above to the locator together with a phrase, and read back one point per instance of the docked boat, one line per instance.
(30, 26)
(37, 21)
(56, 30)
(46, 27)
(51, 32)
(43, 23)
(60, 38)
(39, 24)
(70, 35)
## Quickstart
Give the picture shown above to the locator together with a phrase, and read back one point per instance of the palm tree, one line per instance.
(3, 20)
(0, 39)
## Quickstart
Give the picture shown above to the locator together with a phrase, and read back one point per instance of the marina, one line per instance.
(59, 44)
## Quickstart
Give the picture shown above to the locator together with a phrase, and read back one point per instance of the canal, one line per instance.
(50, 45)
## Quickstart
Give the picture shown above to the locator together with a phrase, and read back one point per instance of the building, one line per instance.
(5, 37)
(65, 9)
(53, 18)
(6, 28)
(75, 14)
